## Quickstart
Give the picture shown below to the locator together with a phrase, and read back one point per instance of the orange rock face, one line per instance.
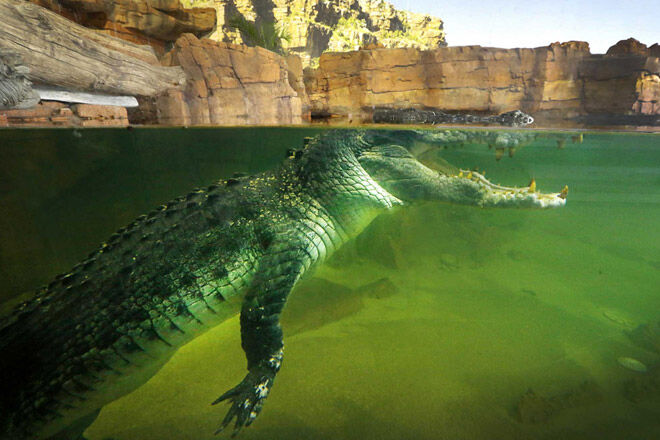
(153, 22)
(560, 81)
(50, 113)
(229, 84)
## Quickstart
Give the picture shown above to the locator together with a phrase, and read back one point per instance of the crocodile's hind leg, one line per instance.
(75, 430)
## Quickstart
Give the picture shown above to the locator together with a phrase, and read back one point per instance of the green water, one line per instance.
(431, 325)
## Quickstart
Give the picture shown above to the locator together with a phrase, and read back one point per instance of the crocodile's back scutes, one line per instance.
(151, 287)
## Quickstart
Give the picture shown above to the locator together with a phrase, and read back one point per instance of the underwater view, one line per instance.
(454, 310)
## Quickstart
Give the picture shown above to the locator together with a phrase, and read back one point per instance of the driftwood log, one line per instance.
(15, 89)
(61, 53)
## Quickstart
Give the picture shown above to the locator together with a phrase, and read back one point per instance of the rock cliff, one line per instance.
(315, 26)
(561, 82)
(228, 84)
(202, 81)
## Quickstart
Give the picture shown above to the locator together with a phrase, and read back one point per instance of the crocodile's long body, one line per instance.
(103, 329)
(514, 118)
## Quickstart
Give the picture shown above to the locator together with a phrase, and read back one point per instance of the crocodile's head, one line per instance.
(395, 168)
(515, 118)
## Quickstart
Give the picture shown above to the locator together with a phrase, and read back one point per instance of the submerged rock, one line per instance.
(318, 302)
(646, 336)
(643, 387)
(533, 408)
(381, 288)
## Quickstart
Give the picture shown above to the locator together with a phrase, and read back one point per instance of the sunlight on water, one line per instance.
(434, 323)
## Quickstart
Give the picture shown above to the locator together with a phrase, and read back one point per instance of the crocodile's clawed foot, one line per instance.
(246, 399)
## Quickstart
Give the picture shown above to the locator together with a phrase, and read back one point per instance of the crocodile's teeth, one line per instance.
(532, 186)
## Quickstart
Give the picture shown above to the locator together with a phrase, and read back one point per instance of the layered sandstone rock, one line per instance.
(561, 81)
(654, 50)
(628, 47)
(228, 84)
(48, 113)
(467, 78)
(622, 84)
(152, 22)
(317, 25)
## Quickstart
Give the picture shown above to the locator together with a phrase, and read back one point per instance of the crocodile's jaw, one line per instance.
(493, 195)
(408, 179)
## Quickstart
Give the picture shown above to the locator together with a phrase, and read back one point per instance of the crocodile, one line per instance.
(103, 329)
(515, 118)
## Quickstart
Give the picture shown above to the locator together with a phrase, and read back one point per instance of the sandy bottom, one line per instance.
(433, 325)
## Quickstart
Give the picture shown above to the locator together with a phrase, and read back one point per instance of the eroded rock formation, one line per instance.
(628, 47)
(559, 82)
(317, 25)
(48, 113)
(210, 82)
(228, 84)
(153, 22)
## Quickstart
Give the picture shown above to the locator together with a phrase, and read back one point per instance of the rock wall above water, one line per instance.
(48, 113)
(227, 84)
(224, 83)
(560, 82)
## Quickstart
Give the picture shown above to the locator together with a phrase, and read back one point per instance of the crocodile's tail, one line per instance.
(14, 361)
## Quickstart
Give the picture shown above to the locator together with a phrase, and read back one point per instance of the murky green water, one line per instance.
(431, 325)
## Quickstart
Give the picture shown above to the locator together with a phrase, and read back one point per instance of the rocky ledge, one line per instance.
(182, 79)
(227, 84)
(558, 84)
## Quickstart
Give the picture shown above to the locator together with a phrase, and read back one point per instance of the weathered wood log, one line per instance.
(15, 89)
(62, 53)
(55, 94)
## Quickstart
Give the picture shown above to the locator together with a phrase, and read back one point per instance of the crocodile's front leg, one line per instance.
(261, 333)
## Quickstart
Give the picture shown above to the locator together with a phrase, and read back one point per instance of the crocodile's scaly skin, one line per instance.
(514, 118)
(99, 331)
